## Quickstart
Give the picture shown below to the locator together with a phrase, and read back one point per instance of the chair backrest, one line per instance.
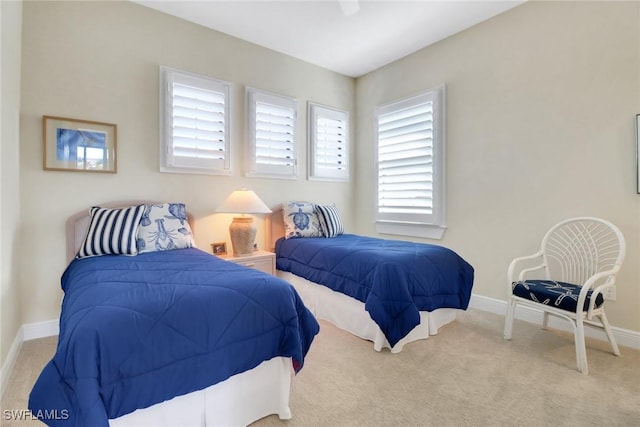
(577, 248)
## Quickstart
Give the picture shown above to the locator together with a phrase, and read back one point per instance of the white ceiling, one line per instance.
(350, 37)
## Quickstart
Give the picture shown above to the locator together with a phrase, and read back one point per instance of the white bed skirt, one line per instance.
(349, 314)
(238, 401)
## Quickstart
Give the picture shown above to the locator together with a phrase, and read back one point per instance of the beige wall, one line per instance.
(10, 36)
(99, 61)
(541, 105)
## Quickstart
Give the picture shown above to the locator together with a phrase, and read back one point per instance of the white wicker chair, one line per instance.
(576, 265)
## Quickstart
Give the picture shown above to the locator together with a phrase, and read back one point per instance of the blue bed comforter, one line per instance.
(135, 331)
(394, 279)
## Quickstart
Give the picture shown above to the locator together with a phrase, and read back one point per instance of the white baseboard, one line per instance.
(29, 331)
(623, 337)
(10, 361)
(48, 328)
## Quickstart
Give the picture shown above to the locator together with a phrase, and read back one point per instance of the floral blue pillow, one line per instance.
(164, 227)
(300, 220)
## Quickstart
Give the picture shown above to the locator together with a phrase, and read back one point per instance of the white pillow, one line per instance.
(164, 227)
(330, 221)
(300, 220)
(111, 232)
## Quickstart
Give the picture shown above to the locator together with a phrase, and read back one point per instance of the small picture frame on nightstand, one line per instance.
(219, 248)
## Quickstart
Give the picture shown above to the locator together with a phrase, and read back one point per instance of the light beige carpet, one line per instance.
(465, 376)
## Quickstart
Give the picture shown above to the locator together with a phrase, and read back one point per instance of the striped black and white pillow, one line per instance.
(330, 221)
(112, 232)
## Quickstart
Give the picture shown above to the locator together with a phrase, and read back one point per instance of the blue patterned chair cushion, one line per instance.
(164, 227)
(300, 220)
(561, 295)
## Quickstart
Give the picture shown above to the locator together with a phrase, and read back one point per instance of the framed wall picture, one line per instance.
(219, 248)
(638, 153)
(78, 145)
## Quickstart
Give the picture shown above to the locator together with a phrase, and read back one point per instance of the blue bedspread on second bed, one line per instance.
(394, 279)
(135, 331)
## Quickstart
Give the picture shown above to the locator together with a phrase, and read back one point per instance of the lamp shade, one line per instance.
(243, 230)
(243, 201)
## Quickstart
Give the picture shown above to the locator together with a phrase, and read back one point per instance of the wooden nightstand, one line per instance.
(260, 260)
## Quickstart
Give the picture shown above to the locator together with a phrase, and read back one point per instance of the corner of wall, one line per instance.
(10, 60)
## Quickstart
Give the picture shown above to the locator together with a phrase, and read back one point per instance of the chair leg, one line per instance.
(545, 320)
(508, 321)
(581, 350)
(607, 330)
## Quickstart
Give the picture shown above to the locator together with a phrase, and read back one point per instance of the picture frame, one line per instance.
(79, 145)
(219, 248)
(638, 153)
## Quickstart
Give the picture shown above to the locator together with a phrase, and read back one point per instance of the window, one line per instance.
(329, 143)
(194, 123)
(271, 148)
(410, 166)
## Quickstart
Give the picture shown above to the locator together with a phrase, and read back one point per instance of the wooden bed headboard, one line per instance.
(78, 224)
(274, 227)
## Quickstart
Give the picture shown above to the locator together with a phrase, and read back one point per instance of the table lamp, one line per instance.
(242, 229)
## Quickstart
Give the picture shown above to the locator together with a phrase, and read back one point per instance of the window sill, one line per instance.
(412, 229)
(328, 179)
(270, 176)
(195, 171)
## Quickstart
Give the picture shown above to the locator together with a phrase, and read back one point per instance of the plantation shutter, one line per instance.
(329, 136)
(196, 128)
(405, 155)
(272, 130)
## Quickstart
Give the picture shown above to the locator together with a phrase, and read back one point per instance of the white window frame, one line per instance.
(253, 167)
(169, 76)
(423, 225)
(333, 171)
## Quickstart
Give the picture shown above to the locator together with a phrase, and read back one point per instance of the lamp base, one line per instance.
(243, 234)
